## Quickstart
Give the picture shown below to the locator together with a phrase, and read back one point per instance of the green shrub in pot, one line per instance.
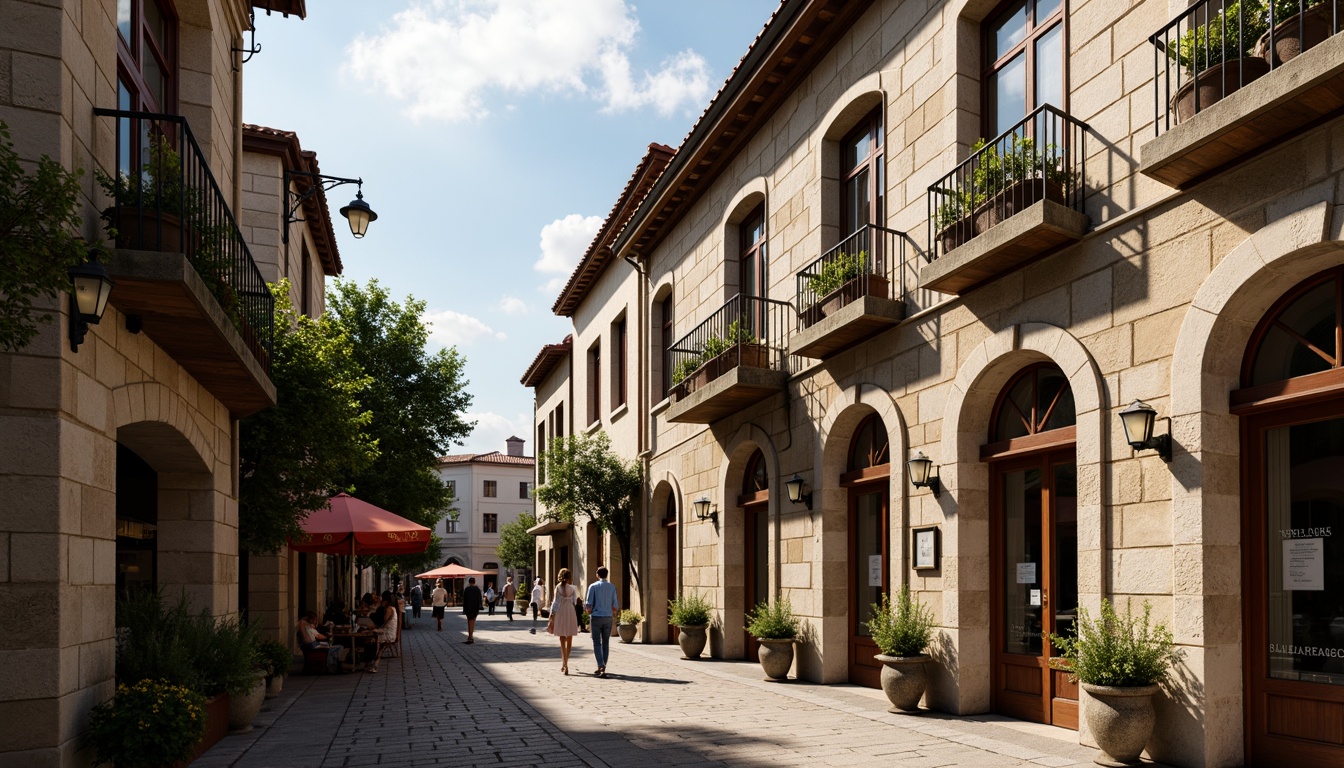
(902, 628)
(772, 622)
(691, 610)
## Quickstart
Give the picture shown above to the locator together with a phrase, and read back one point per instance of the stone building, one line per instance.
(118, 441)
(831, 277)
(490, 490)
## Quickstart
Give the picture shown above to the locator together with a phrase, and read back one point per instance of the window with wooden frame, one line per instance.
(1301, 335)
(1024, 45)
(1037, 399)
(862, 182)
(541, 451)
(752, 253)
(618, 367)
(559, 420)
(490, 490)
(668, 341)
(524, 489)
(595, 383)
(490, 523)
(147, 55)
(450, 525)
(755, 479)
(870, 446)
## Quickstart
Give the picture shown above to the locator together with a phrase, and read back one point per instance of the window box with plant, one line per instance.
(843, 278)
(1298, 25)
(627, 625)
(717, 355)
(775, 628)
(1216, 54)
(1013, 175)
(1119, 660)
(690, 614)
(902, 631)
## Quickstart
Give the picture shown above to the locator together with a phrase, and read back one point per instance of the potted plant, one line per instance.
(1218, 56)
(738, 346)
(627, 624)
(774, 627)
(1119, 660)
(687, 376)
(1298, 25)
(152, 209)
(902, 631)
(226, 652)
(843, 279)
(953, 221)
(276, 658)
(1020, 177)
(149, 724)
(690, 614)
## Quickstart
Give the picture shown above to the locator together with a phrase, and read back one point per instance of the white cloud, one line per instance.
(445, 56)
(451, 328)
(512, 305)
(492, 429)
(563, 243)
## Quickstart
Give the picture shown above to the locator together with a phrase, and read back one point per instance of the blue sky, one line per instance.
(493, 136)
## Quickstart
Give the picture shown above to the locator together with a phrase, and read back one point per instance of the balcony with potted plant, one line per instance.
(185, 276)
(1017, 198)
(1233, 77)
(846, 295)
(739, 356)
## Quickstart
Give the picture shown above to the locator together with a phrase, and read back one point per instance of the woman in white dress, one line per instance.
(564, 620)
(387, 631)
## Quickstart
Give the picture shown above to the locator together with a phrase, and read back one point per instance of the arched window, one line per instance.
(752, 253)
(1038, 399)
(870, 447)
(755, 479)
(863, 185)
(1302, 334)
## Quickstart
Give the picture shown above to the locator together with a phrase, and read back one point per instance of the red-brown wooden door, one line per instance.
(670, 529)
(756, 586)
(1034, 584)
(869, 556)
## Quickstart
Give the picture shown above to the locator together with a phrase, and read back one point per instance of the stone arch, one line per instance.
(753, 193)
(726, 639)
(1205, 468)
(828, 660)
(961, 681)
(153, 403)
(862, 97)
(659, 590)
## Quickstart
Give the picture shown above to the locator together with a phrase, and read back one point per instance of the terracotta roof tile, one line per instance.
(285, 145)
(493, 457)
(545, 361)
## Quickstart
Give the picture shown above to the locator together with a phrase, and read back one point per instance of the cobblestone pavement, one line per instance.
(503, 702)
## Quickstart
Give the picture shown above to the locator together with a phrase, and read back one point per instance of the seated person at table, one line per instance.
(311, 639)
(387, 629)
(367, 606)
(337, 615)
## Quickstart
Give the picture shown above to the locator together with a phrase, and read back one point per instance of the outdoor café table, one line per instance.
(355, 641)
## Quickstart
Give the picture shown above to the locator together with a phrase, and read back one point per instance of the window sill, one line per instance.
(620, 411)
(594, 427)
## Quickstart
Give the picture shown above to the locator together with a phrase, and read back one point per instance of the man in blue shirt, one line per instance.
(602, 604)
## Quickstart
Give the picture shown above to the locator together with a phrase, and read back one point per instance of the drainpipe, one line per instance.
(643, 430)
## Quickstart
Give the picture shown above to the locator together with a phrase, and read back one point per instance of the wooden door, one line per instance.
(869, 557)
(672, 567)
(1034, 584)
(1294, 585)
(756, 561)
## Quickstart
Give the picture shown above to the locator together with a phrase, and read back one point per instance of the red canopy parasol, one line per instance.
(350, 526)
(452, 571)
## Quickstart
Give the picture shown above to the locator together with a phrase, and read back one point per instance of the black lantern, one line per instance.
(359, 215)
(702, 510)
(358, 212)
(921, 468)
(88, 300)
(798, 492)
(1138, 420)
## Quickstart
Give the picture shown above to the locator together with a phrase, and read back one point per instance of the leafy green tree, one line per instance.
(586, 479)
(293, 456)
(417, 401)
(517, 548)
(39, 219)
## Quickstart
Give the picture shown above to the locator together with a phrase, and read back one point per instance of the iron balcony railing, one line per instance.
(165, 198)
(863, 264)
(747, 331)
(1215, 47)
(1044, 157)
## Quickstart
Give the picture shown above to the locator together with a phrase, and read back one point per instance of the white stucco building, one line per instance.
(490, 490)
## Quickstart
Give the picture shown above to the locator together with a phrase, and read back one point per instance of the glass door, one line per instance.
(868, 576)
(757, 562)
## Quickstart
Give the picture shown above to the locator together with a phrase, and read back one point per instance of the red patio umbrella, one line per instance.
(349, 526)
(450, 571)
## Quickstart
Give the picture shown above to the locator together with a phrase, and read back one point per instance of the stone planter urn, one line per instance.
(776, 657)
(243, 707)
(1121, 719)
(274, 685)
(903, 680)
(627, 632)
(692, 641)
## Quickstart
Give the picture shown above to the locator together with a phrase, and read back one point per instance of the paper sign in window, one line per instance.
(1303, 564)
(1026, 573)
(874, 570)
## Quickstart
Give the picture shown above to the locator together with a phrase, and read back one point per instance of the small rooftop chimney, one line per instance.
(515, 446)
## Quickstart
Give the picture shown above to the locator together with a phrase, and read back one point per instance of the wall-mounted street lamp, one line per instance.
(88, 300)
(798, 491)
(703, 512)
(921, 468)
(357, 212)
(1138, 420)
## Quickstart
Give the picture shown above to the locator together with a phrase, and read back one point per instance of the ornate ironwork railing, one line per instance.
(863, 264)
(1215, 47)
(747, 331)
(1043, 157)
(165, 198)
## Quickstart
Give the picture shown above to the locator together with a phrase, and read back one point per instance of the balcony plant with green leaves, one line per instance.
(713, 346)
(839, 270)
(1227, 35)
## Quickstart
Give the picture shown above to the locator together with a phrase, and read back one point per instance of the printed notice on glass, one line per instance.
(1303, 564)
(874, 570)
(1034, 598)
(1026, 573)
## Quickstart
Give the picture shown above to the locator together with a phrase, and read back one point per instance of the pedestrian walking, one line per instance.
(564, 621)
(417, 600)
(602, 603)
(490, 599)
(538, 595)
(471, 606)
(439, 600)
(509, 594)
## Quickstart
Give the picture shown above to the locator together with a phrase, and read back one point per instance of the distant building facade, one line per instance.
(490, 490)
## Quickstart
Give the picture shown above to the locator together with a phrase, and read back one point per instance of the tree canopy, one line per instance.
(517, 548)
(586, 479)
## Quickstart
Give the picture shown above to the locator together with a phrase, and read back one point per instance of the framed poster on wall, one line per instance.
(924, 546)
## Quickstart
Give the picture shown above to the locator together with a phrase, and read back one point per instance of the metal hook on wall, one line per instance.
(254, 49)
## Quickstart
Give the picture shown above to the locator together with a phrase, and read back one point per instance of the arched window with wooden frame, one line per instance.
(1302, 333)
(752, 253)
(1024, 61)
(1036, 400)
(862, 183)
(869, 448)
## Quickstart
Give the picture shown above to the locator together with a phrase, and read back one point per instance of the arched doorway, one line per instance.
(1033, 543)
(1291, 405)
(670, 542)
(867, 480)
(755, 504)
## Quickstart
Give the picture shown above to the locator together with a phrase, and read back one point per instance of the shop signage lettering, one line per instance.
(1306, 650)
(1304, 533)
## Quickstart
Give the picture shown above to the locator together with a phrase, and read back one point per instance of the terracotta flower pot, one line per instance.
(851, 291)
(957, 234)
(148, 229)
(243, 708)
(1216, 82)
(776, 657)
(692, 641)
(1296, 33)
(627, 632)
(903, 680)
(1121, 720)
(1015, 198)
